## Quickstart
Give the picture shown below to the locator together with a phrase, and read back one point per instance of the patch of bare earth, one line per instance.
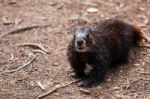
(129, 81)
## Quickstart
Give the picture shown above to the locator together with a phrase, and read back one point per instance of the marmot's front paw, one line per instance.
(88, 83)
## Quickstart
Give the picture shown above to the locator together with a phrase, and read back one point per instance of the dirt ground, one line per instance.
(129, 81)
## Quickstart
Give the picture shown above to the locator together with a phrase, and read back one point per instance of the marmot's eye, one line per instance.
(88, 35)
(74, 36)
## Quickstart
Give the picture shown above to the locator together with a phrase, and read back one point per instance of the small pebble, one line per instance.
(92, 10)
(55, 64)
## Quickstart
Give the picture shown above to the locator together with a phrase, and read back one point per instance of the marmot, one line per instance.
(101, 47)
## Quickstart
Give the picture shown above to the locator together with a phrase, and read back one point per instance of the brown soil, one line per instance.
(126, 82)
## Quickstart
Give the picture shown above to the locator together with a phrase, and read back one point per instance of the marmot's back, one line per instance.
(114, 27)
(117, 37)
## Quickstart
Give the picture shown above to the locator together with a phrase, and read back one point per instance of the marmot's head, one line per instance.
(83, 39)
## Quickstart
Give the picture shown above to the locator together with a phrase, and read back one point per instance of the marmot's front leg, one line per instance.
(97, 74)
(77, 65)
(78, 68)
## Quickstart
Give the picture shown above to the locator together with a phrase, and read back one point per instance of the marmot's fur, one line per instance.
(101, 47)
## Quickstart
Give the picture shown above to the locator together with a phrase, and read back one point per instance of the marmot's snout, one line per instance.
(80, 44)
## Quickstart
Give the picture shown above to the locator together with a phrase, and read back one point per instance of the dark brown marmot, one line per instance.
(101, 47)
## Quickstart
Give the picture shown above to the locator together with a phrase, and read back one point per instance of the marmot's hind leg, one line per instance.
(122, 60)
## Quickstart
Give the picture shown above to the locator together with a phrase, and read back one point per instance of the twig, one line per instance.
(19, 68)
(136, 80)
(24, 78)
(12, 57)
(17, 30)
(40, 85)
(145, 73)
(34, 45)
(146, 79)
(146, 46)
(55, 89)
(143, 79)
(84, 91)
(39, 51)
(1, 69)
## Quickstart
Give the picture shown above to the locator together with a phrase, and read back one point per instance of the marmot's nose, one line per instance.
(79, 42)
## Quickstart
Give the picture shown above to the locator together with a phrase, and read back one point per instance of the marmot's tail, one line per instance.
(138, 36)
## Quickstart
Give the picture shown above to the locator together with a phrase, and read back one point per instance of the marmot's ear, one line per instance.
(90, 35)
(89, 32)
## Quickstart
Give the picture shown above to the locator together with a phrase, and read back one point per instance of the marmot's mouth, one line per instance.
(81, 49)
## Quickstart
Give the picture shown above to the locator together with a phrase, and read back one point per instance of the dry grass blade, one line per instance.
(34, 45)
(17, 30)
(23, 66)
(55, 89)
